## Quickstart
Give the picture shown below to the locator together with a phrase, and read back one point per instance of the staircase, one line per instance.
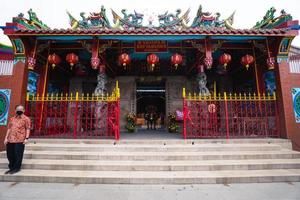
(171, 161)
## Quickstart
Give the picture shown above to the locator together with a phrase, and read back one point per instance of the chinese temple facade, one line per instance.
(100, 77)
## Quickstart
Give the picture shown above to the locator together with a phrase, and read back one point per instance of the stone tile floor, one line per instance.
(57, 191)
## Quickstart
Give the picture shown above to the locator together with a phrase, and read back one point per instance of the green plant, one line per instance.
(130, 122)
(173, 124)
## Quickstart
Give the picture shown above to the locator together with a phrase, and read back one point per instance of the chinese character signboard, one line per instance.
(4, 105)
(296, 103)
(151, 46)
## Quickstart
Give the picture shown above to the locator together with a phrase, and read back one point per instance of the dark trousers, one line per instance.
(14, 152)
(151, 123)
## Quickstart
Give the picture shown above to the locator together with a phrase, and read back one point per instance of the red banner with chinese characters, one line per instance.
(151, 46)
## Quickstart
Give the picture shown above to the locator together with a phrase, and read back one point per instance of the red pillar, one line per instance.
(17, 82)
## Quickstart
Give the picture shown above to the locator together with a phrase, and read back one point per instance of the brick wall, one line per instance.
(17, 83)
(288, 126)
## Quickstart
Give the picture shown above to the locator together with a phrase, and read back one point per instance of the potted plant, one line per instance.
(130, 122)
(173, 125)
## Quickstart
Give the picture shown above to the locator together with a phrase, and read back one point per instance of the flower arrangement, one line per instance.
(173, 125)
(130, 122)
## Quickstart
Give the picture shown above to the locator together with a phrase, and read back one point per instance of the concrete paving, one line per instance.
(58, 191)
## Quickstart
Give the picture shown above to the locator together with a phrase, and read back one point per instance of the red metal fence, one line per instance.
(79, 116)
(230, 116)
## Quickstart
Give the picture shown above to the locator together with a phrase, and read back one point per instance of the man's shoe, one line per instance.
(14, 171)
(7, 172)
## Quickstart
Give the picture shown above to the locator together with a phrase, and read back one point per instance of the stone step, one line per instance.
(202, 165)
(148, 177)
(152, 147)
(161, 141)
(206, 155)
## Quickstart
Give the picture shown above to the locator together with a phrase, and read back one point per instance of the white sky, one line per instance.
(53, 12)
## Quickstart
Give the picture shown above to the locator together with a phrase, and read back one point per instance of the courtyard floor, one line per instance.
(47, 191)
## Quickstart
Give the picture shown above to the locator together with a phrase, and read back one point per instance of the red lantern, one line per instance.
(271, 63)
(208, 61)
(124, 59)
(176, 60)
(247, 60)
(152, 60)
(31, 61)
(95, 61)
(225, 59)
(72, 58)
(54, 60)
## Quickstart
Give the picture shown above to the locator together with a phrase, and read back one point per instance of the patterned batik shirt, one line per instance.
(18, 126)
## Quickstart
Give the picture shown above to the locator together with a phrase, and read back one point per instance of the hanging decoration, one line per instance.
(124, 60)
(54, 60)
(31, 61)
(95, 61)
(225, 59)
(152, 60)
(247, 60)
(270, 59)
(208, 61)
(271, 63)
(176, 60)
(72, 58)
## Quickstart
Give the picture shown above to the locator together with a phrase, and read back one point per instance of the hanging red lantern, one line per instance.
(270, 63)
(72, 58)
(54, 60)
(176, 60)
(124, 59)
(31, 61)
(208, 61)
(247, 60)
(225, 59)
(95, 61)
(152, 60)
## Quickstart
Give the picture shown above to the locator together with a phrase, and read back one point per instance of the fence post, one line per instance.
(276, 114)
(75, 116)
(184, 113)
(226, 116)
(118, 110)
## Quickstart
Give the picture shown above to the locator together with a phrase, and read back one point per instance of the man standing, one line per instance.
(16, 137)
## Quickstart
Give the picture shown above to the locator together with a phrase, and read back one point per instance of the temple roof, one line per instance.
(149, 31)
(178, 23)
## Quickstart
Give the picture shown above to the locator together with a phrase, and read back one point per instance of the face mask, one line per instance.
(19, 112)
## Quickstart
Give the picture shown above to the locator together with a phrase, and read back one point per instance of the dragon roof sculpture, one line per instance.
(207, 19)
(135, 20)
(269, 21)
(32, 23)
(129, 21)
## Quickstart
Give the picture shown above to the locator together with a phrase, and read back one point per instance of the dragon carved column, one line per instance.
(100, 113)
(201, 79)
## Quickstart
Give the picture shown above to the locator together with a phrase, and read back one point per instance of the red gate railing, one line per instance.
(75, 116)
(230, 116)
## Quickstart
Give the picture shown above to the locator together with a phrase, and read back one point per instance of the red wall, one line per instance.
(17, 83)
(288, 126)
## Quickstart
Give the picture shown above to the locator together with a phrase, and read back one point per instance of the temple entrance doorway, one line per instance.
(151, 105)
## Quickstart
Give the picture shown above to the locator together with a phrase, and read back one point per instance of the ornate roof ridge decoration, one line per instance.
(177, 20)
(207, 19)
(32, 23)
(269, 21)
